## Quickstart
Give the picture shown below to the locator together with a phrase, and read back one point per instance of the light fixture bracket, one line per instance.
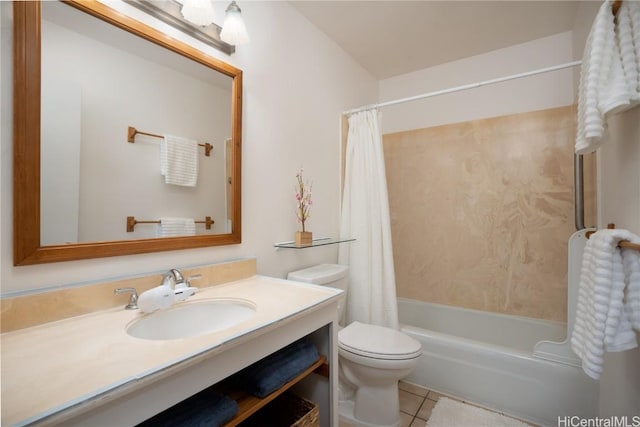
(233, 7)
(168, 11)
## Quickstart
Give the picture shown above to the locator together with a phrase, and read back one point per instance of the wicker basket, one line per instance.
(287, 410)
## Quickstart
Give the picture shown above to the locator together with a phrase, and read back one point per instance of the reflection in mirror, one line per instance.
(97, 81)
(88, 101)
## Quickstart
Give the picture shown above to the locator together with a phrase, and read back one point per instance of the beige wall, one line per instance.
(481, 212)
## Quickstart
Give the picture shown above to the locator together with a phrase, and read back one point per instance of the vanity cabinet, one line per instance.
(88, 371)
(153, 395)
(278, 407)
(249, 405)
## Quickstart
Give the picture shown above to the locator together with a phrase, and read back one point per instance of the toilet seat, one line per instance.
(378, 342)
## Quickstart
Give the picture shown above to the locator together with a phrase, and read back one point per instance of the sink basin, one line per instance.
(191, 319)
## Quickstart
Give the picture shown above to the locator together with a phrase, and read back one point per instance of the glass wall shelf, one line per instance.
(322, 241)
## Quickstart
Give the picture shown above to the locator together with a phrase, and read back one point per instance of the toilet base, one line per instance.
(345, 411)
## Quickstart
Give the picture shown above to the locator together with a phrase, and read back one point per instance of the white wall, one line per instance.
(296, 84)
(619, 203)
(539, 92)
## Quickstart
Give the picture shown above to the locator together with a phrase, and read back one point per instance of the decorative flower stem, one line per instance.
(303, 196)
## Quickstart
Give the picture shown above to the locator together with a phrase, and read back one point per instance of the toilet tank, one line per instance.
(332, 275)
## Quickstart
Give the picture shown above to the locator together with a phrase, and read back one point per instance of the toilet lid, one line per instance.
(378, 342)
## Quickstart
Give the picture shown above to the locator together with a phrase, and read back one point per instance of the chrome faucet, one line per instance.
(177, 278)
(181, 288)
(174, 288)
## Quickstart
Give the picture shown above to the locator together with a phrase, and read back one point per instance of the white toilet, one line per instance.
(372, 359)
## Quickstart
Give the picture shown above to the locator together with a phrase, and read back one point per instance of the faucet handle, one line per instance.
(133, 299)
(194, 277)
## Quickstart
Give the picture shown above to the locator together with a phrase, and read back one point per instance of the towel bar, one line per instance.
(132, 221)
(616, 5)
(132, 132)
(622, 243)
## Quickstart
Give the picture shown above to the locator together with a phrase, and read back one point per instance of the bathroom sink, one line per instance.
(191, 319)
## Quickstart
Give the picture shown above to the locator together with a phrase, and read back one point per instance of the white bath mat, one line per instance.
(451, 413)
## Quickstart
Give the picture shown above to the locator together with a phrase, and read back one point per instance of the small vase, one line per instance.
(303, 238)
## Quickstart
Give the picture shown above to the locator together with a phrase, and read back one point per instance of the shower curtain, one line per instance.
(371, 297)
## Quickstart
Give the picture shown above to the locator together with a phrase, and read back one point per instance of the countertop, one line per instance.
(55, 366)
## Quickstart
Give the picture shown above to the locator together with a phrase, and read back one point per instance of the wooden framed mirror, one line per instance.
(29, 245)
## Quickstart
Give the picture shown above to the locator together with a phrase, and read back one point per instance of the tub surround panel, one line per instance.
(51, 367)
(29, 310)
(481, 212)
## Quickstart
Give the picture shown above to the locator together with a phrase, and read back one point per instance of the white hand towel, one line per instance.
(179, 161)
(170, 227)
(609, 64)
(603, 313)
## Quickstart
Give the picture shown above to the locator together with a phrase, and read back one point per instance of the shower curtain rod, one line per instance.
(463, 87)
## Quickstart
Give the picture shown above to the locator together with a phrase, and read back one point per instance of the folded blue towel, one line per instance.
(209, 408)
(275, 370)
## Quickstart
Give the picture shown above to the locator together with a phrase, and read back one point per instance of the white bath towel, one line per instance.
(605, 76)
(170, 227)
(604, 312)
(631, 267)
(628, 39)
(179, 160)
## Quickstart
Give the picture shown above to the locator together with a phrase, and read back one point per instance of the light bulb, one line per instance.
(199, 12)
(233, 30)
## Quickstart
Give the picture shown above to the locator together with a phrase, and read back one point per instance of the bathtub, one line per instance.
(488, 359)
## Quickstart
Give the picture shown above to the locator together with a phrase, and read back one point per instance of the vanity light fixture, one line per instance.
(195, 18)
(199, 12)
(233, 30)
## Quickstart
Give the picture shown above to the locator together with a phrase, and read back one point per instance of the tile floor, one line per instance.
(416, 403)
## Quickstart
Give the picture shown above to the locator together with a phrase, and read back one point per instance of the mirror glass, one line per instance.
(109, 99)
(92, 178)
